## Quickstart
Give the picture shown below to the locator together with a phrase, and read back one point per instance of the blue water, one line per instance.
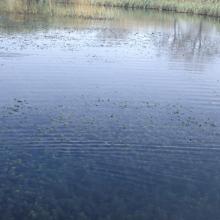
(106, 120)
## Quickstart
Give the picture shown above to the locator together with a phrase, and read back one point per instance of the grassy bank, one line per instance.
(56, 8)
(202, 7)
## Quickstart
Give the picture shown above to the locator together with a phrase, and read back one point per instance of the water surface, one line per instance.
(112, 117)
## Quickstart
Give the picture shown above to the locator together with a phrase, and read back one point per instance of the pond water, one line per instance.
(109, 118)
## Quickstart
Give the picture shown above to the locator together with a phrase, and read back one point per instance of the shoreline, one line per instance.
(194, 7)
(209, 8)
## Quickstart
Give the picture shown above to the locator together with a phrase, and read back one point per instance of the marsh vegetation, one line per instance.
(207, 7)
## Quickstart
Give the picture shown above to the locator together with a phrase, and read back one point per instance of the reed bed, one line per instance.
(84, 10)
(81, 7)
(202, 7)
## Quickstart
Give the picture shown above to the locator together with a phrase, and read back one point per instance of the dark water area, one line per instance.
(106, 119)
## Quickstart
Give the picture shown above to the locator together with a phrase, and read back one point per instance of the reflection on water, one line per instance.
(109, 118)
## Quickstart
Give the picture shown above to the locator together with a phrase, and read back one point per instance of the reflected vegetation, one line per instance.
(195, 40)
(186, 37)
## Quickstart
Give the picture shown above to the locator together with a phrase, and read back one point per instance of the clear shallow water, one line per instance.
(110, 119)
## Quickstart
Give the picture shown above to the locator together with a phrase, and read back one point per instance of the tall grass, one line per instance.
(203, 7)
(70, 8)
